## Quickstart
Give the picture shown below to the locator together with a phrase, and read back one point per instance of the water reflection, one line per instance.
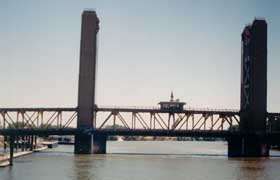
(82, 166)
(251, 168)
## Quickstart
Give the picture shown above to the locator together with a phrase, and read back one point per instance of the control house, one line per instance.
(172, 105)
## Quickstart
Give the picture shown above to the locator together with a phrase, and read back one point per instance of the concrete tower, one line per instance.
(87, 78)
(253, 91)
(254, 77)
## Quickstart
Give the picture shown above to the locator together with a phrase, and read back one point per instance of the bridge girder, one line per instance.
(129, 118)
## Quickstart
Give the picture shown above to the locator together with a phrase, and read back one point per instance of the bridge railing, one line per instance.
(158, 108)
(212, 109)
(127, 107)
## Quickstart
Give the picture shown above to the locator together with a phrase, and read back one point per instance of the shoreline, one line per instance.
(5, 157)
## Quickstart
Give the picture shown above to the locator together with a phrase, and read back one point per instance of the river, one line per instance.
(144, 160)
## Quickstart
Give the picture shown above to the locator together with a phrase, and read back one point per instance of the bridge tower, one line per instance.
(84, 143)
(253, 93)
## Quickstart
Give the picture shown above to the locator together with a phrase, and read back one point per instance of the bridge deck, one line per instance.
(132, 109)
(130, 117)
(135, 132)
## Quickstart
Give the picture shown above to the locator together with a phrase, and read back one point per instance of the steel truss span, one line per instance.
(126, 119)
(164, 120)
(37, 118)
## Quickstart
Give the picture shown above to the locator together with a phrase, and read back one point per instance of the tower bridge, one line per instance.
(249, 131)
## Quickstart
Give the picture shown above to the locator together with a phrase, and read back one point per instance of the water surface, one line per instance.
(144, 160)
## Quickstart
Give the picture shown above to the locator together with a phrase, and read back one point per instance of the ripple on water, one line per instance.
(143, 160)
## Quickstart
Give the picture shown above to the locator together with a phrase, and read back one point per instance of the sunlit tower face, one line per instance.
(87, 78)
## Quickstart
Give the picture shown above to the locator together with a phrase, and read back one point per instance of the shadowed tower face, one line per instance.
(87, 78)
(253, 93)
(254, 77)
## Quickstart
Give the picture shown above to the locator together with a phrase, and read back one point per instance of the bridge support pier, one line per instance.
(90, 144)
(35, 142)
(99, 143)
(31, 142)
(22, 144)
(17, 143)
(12, 143)
(5, 145)
(249, 146)
(83, 144)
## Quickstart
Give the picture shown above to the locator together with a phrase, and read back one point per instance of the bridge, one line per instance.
(249, 131)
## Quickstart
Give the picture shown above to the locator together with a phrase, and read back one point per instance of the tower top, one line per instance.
(89, 11)
(89, 17)
(171, 97)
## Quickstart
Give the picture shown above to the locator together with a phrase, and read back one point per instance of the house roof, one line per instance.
(168, 102)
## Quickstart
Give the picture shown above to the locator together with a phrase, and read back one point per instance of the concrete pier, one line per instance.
(87, 78)
(32, 143)
(250, 146)
(99, 143)
(83, 144)
(253, 103)
(12, 142)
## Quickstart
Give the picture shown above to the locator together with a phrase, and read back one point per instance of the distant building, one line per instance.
(172, 105)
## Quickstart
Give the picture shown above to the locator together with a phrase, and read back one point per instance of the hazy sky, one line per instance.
(145, 49)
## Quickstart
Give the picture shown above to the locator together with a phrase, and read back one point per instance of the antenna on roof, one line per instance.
(172, 97)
